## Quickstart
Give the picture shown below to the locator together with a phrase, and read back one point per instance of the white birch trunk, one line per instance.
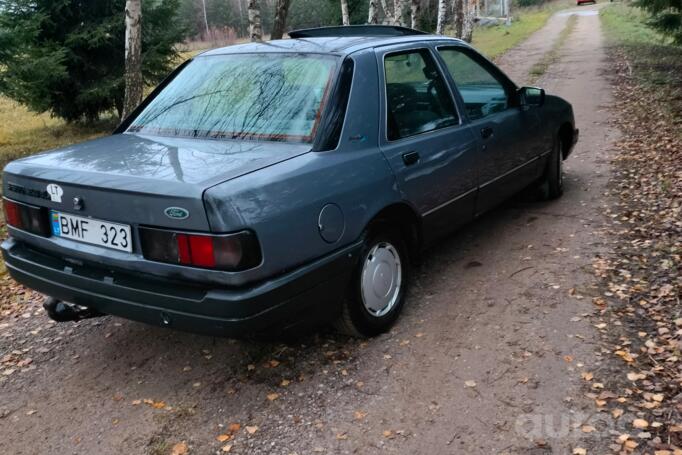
(468, 23)
(255, 26)
(387, 13)
(203, 4)
(373, 17)
(414, 13)
(345, 17)
(133, 57)
(398, 13)
(442, 15)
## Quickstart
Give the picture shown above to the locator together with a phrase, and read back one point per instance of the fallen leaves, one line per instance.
(640, 423)
(180, 448)
(587, 429)
(625, 355)
(638, 313)
(151, 403)
(636, 376)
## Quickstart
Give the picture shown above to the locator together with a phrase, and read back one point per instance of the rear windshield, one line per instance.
(276, 97)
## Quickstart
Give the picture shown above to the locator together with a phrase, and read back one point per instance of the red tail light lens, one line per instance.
(201, 250)
(12, 213)
(233, 252)
(27, 217)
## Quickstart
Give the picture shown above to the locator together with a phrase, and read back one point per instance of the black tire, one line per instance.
(552, 183)
(356, 320)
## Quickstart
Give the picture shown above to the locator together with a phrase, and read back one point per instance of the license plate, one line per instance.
(90, 230)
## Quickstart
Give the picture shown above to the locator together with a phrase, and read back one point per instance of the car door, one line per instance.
(431, 152)
(508, 134)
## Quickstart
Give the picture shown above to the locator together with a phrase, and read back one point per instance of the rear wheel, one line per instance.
(377, 290)
(552, 184)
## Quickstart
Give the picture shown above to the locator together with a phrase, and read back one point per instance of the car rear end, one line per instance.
(119, 225)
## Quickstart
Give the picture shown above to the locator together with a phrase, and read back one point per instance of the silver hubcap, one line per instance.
(381, 279)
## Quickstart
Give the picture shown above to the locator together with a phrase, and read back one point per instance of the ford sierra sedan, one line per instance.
(267, 188)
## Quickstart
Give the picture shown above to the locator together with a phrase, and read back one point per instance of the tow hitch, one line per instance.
(62, 312)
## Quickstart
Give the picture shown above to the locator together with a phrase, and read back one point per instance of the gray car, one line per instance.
(271, 187)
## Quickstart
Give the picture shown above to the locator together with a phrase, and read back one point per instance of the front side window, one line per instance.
(417, 99)
(482, 93)
(276, 97)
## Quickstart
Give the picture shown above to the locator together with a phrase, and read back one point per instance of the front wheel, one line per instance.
(552, 184)
(377, 290)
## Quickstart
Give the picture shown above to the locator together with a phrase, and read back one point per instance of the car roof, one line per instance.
(335, 45)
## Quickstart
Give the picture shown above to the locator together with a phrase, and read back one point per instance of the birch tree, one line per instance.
(458, 13)
(385, 8)
(442, 15)
(203, 5)
(398, 12)
(468, 23)
(281, 12)
(133, 57)
(373, 17)
(414, 13)
(345, 17)
(255, 26)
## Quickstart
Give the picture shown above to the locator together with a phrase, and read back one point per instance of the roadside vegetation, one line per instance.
(651, 57)
(23, 132)
(493, 41)
(640, 309)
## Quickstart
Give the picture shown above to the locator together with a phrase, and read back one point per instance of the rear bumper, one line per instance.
(307, 295)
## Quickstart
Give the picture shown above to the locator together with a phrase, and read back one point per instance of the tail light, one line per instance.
(238, 251)
(27, 217)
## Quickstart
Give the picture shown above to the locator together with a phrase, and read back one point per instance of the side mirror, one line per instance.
(531, 96)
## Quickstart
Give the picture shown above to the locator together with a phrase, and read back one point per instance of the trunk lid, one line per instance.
(133, 179)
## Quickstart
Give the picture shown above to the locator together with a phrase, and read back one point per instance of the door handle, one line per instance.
(486, 132)
(410, 158)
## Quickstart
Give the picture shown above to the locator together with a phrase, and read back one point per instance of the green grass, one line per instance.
(627, 25)
(495, 41)
(23, 132)
(654, 61)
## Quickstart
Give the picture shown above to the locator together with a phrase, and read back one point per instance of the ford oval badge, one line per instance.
(176, 213)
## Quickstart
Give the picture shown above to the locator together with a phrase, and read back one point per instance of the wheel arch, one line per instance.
(566, 137)
(405, 218)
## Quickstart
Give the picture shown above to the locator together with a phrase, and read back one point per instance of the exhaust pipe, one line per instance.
(62, 312)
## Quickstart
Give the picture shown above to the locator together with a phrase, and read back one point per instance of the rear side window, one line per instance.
(417, 99)
(482, 93)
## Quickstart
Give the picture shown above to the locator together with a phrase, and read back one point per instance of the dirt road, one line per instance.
(487, 358)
